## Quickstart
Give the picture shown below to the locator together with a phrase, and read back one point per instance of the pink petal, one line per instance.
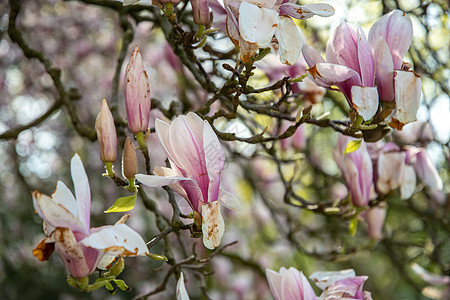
(214, 160)
(396, 28)
(324, 279)
(342, 47)
(312, 57)
(375, 220)
(274, 280)
(384, 69)
(289, 39)
(427, 172)
(365, 59)
(82, 190)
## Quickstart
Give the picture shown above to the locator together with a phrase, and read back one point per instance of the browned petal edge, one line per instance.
(43, 250)
(122, 250)
(396, 124)
(313, 71)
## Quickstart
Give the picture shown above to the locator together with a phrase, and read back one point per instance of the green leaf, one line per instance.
(353, 226)
(123, 204)
(298, 79)
(352, 146)
(121, 284)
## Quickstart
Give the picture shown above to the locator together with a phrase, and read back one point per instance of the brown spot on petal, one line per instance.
(396, 124)
(314, 73)
(43, 250)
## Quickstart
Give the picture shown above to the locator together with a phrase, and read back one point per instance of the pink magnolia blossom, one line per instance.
(375, 217)
(200, 10)
(106, 134)
(67, 229)
(357, 170)
(289, 284)
(390, 38)
(425, 168)
(252, 25)
(196, 159)
(137, 94)
(349, 66)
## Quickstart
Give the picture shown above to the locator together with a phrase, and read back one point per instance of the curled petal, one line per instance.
(345, 288)
(116, 240)
(365, 100)
(213, 226)
(306, 11)
(228, 200)
(257, 25)
(289, 39)
(324, 279)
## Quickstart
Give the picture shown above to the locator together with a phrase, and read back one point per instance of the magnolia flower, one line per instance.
(357, 170)
(67, 229)
(296, 141)
(196, 159)
(375, 217)
(106, 134)
(252, 24)
(390, 38)
(292, 284)
(289, 284)
(349, 66)
(426, 170)
(137, 94)
(341, 285)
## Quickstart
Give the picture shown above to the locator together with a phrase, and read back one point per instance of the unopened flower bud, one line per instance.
(375, 220)
(137, 94)
(106, 134)
(200, 10)
(129, 160)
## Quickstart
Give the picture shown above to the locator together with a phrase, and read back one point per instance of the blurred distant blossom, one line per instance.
(375, 217)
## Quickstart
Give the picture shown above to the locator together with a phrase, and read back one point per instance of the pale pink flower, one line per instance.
(289, 284)
(106, 134)
(67, 227)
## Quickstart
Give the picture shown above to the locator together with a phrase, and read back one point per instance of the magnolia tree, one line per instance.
(269, 149)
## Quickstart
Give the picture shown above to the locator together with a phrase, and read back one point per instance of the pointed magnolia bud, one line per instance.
(137, 94)
(106, 134)
(375, 220)
(200, 10)
(129, 160)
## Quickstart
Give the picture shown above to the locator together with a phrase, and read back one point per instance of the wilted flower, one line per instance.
(196, 159)
(356, 167)
(67, 227)
(106, 134)
(349, 66)
(252, 25)
(390, 38)
(137, 94)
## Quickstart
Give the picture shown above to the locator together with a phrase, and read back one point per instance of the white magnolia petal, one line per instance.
(311, 55)
(289, 39)
(230, 201)
(162, 130)
(324, 279)
(407, 88)
(117, 240)
(409, 182)
(320, 9)
(181, 289)
(213, 226)
(65, 197)
(391, 167)
(257, 25)
(167, 172)
(365, 100)
(274, 280)
(82, 190)
(105, 262)
(154, 180)
(55, 214)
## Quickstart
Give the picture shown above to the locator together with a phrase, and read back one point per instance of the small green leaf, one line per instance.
(353, 226)
(352, 146)
(298, 79)
(123, 204)
(157, 256)
(121, 284)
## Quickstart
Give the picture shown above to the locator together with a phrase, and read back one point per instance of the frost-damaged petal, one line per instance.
(55, 214)
(396, 28)
(407, 87)
(306, 11)
(70, 252)
(228, 200)
(213, 226)
(82, 190)
(181, 289)
(44, 249)
(326, 74)
(117, 240)
(257, 25)
(215, 160)
(320, 9)
(384, 70)
(274, 280)
(289, 39)
(324, 279)
(409, 182)
(365, 100)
